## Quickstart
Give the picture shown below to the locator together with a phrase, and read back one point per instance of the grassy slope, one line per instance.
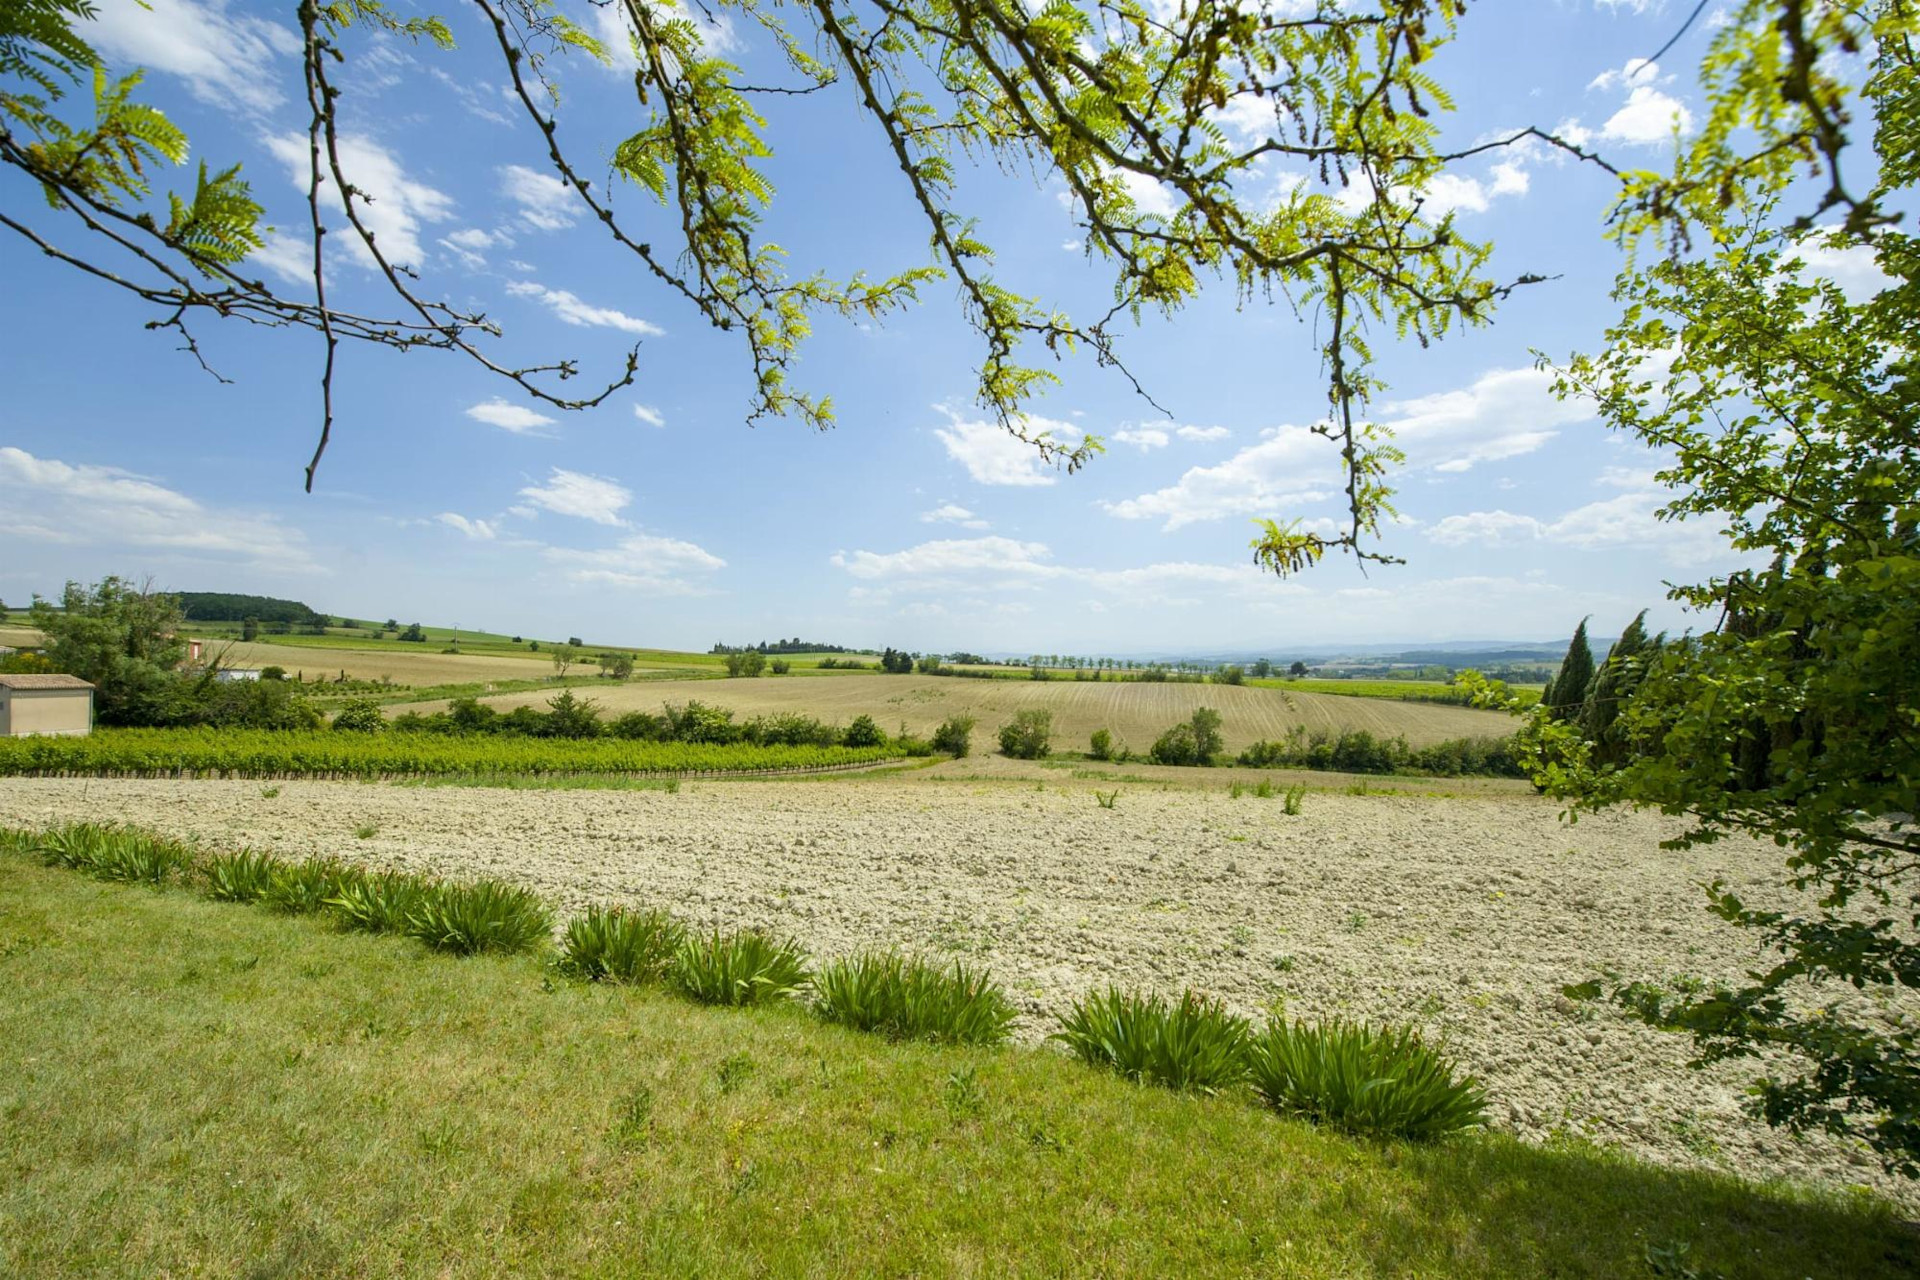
(187, 1087)
(1134, 713)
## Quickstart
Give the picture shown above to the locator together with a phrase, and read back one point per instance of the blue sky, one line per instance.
(660, 518)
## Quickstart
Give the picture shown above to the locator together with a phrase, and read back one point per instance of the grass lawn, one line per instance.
(188, 1087)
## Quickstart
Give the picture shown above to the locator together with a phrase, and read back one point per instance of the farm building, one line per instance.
(60, 705)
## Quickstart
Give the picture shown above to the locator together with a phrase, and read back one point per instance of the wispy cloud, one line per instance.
(518, 419)
(587, 497)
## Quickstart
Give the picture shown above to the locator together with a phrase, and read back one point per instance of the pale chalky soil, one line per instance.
(1465, 916)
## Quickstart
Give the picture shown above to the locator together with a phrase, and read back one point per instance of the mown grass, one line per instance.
(191, 1087)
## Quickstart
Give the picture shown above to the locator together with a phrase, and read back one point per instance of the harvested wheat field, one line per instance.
(417, 669)
(1464, 916)
(1135, 713)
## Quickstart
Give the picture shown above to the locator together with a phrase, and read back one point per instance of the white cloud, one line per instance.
(649, 415)
(546, 203)
(572, 493)
(46, 500)
(1145, 439)
(1503, 414)
(992, 456)
(1289, 467)
(469, 245)
(1203, 435)
(1853, 268)
(1624, 522)
(286, 256)
(478, 530)
(1649, 115)
(1149, 196)
(569, 308)
(226, 59)
(394, 206)
(952, 513)
(644, 562)
(950, 556)
(510, 417)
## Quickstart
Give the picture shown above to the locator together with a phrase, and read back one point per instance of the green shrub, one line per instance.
(954, 736)
(1029, 736)
(863, 732)
(741, 968)
(1290, 803)
(1100, 746)
(1195, 1044)
(1175, 746)
(362, 715)
(302, 888)
(379, 903)
(1386, 1083)
(779, 666)
(483, 916)
(912, 1000)
(74, 845)
(239, 877)
(138, 857)
(112, 852)
(613, 944)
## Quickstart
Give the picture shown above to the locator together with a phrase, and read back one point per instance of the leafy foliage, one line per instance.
(1195, 1044)
(1028, 736)
(306, 887)
(615, 944)
(485, 915)
(379, 902)
(909, 999)
(1384, 1083)
(241, 876)
(745, 967)
(1780, 409)
(954, 736)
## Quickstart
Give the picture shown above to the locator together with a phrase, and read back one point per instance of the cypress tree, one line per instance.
(1612, 685)
(1567, 693)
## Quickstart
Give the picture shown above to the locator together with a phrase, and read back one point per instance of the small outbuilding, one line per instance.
(58, 705)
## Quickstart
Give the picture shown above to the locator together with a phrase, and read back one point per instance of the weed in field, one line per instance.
(1106, 798)
(741, 968)
(633, 1117)
(483, 916)
(379, 903)
(1195, 1044)
(239, 877)
(1359, 788)
(268, 793)
(913, 1000)
(1283, 963)
(1356, 921)
(1235, 791)
(302, 888)
(366, 831)
(733, 1071)
(1385, 1083)
(962, 1094)
(1290, 803)
(1263, 789)
(618, 945)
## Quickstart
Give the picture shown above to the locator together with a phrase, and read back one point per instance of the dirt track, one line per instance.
(1463, 915)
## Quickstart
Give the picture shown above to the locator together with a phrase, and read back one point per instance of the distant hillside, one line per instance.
(220, 606)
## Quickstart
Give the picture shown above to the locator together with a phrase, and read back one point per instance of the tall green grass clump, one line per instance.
(303, 888)
(905, 999)
(18, 840)
(485, 915)
(1385, 1083)
(613, 944)
(741, 968)
(114, 853)
(1193, 1045)
(239, 877)
(383, 902)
